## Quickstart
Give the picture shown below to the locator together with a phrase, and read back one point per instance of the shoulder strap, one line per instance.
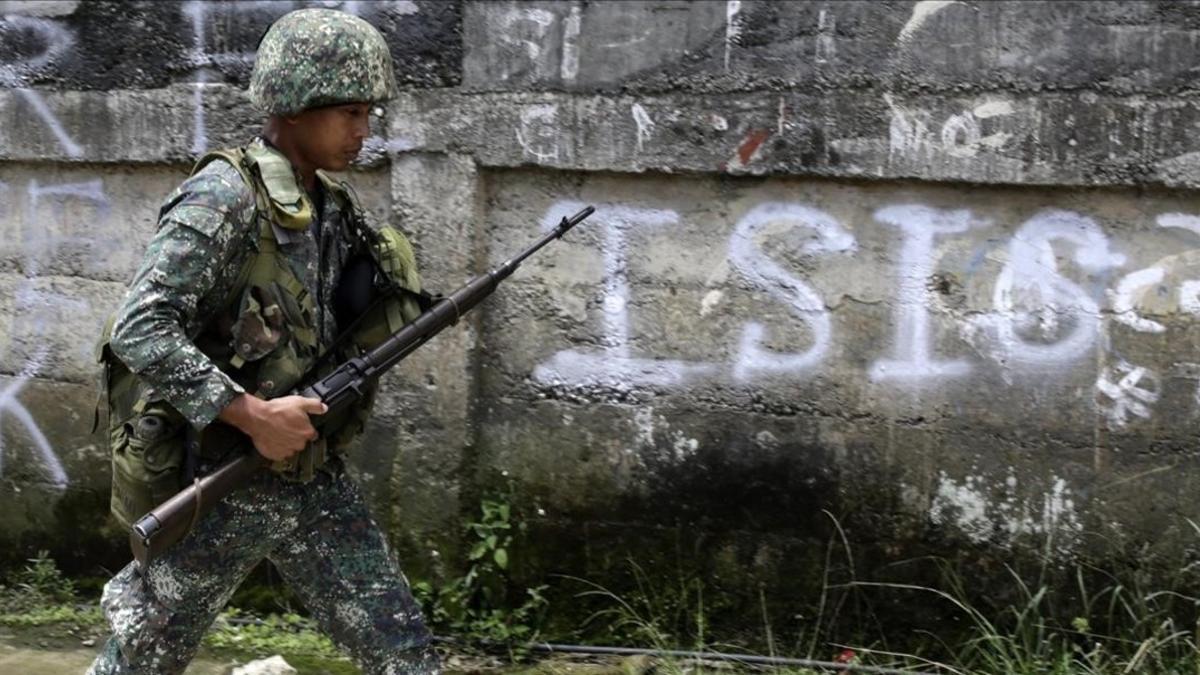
(236, 157)
(232, 155)
(343, 195)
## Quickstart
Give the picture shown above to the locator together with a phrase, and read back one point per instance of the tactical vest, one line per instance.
(264, 336)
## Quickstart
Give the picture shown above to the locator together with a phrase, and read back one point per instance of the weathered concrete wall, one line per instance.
(927, 266)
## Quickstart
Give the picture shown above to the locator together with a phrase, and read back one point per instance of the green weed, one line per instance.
(476, 605)
(274, 634)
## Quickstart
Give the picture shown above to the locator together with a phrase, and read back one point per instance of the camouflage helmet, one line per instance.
(316, 57)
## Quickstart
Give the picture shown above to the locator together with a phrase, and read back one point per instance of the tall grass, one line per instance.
(1077, 619)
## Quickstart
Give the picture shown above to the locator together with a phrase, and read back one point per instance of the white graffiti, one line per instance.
(1189, 296)
(538, 131)
(196, 10)
(200, 58)
(993, 108)
(1125, 296)
(58, 41)
(911, 357)
(389, 146)
(399, 7)
(1181, 221)
(530, 35)
(9, 405)
(733, 27)
(1041, 318)
(39, 106)
(199, 127)
(614, 366)
(526, 29)
(1126, 390)
(1131, 288)
(825, 49)
(38, 308)
(1189, 289)
(572, 27)
(921, 12)
(645, 125)
(960, 135)
(39, 7)
(908, 131)
(767, 275)
(55, 36)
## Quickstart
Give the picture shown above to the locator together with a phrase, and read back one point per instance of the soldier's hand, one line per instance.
(279, 427)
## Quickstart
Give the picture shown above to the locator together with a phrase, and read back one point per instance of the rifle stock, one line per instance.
(170, 521)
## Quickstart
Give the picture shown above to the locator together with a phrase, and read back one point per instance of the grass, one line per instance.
(1083, 619)
(1076, 620)
(39, 596)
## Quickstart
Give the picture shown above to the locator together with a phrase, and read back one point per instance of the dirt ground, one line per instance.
(54, 651)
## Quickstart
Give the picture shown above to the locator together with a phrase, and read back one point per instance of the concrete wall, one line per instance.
(931, 267)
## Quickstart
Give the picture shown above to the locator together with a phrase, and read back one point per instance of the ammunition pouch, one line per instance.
(147, 439)
(396, 297)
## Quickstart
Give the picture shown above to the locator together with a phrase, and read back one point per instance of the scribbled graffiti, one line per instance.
(202, 57)
(526, 30)
(1039, 319)
(917, 134)
(539, 131)
(645, 125)
(1126, 390)
(38, 307)
(57, 41)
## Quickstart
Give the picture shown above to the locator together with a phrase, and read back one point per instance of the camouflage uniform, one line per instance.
(318, 534)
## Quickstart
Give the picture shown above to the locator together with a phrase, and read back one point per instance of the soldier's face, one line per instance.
(331, 137)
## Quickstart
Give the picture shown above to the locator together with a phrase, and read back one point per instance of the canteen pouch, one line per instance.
(148, 454)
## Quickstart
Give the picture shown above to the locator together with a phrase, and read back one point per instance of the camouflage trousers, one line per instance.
(323, 541)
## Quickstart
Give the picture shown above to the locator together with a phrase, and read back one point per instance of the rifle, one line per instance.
(170, 521)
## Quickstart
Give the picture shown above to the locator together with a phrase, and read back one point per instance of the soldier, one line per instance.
(238, 295)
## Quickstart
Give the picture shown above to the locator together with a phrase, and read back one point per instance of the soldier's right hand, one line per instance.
(279, 427)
